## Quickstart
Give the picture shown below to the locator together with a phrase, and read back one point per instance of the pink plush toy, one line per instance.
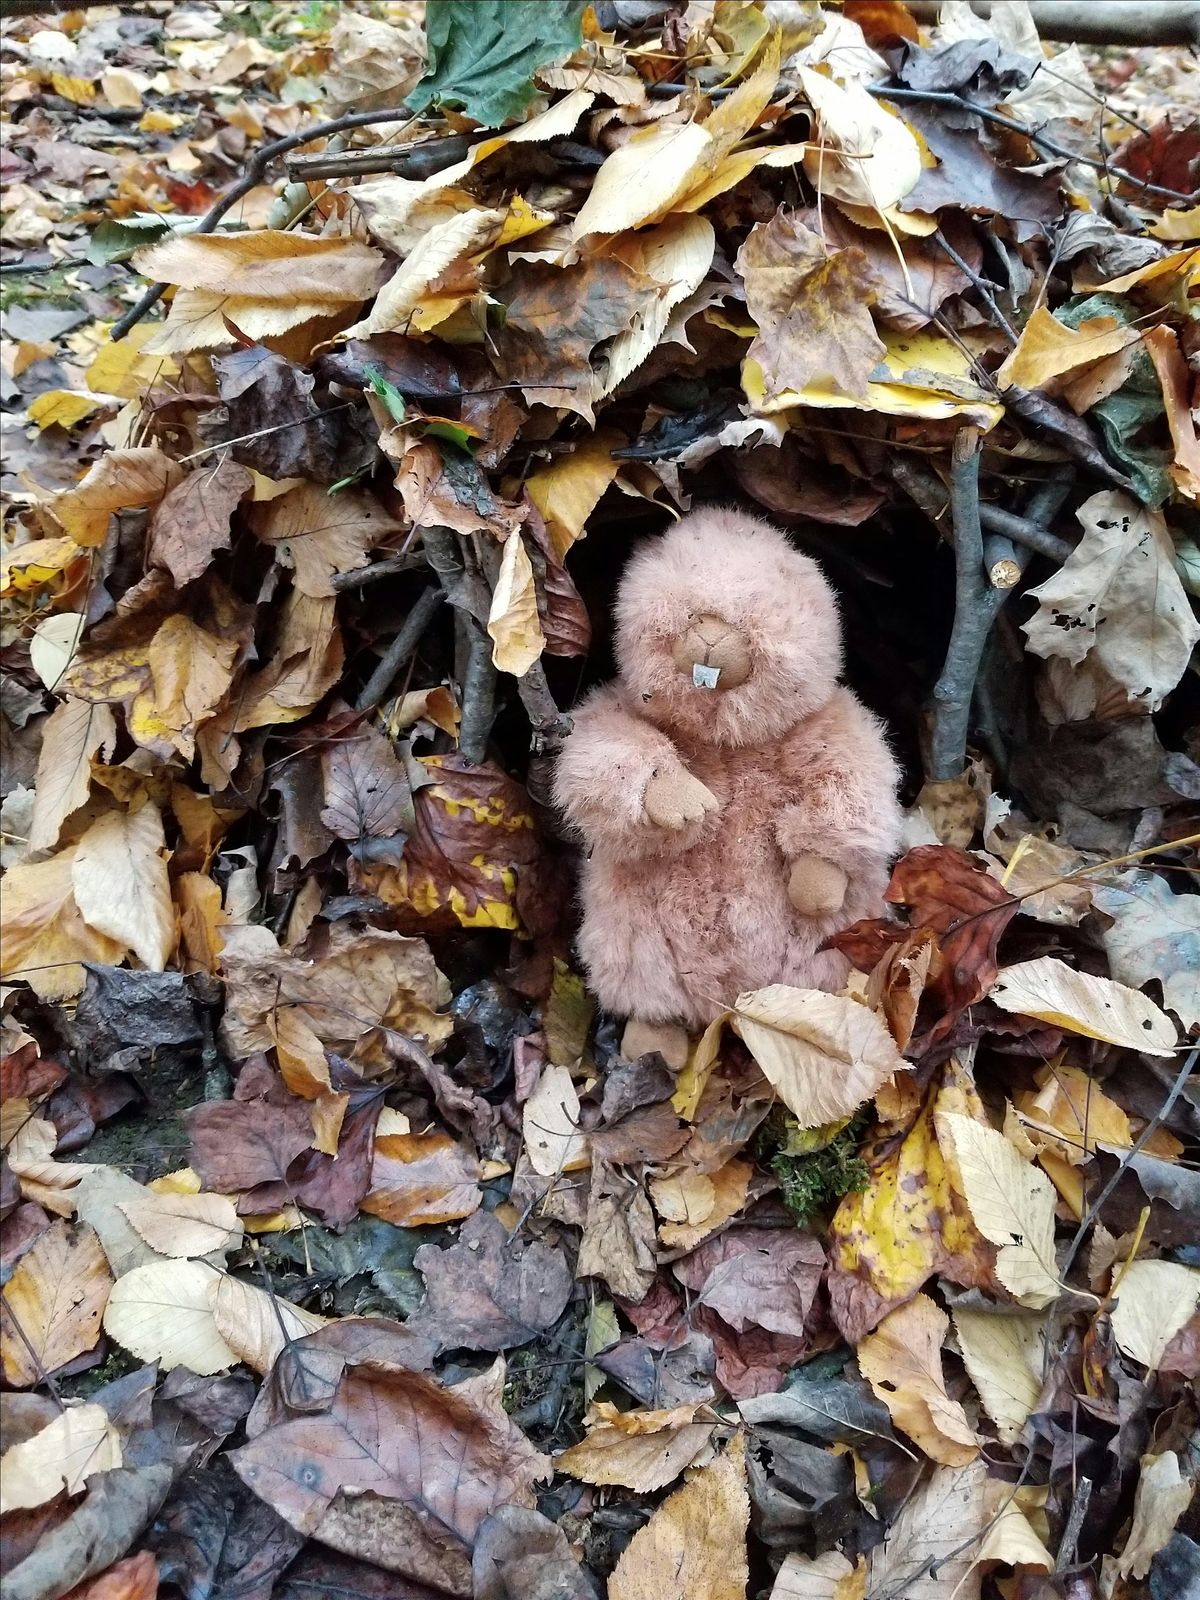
(738, 805)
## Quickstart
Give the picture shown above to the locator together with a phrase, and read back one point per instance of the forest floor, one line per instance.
(347, 353)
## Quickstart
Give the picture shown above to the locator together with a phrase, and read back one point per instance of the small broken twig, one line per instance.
(357, 576)
(478, 677)
(398, 652)
(952, 692)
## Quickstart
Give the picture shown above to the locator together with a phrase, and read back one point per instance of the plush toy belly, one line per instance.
(678, 936)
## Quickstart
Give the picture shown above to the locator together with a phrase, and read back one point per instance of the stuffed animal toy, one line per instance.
(737, 804)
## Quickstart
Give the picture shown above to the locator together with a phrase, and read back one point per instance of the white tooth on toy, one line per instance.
(705, 677)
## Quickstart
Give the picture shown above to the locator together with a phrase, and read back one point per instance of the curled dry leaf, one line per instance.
(256, 1326)
(513, 624)
(1163, 1495)
(74, 732)
(1053, 992)
(422, 1179)
(119, 480)
(823, 1054)
(902, 1361)
(639, 1450)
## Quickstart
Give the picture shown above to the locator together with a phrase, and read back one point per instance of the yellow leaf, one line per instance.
(862, 152)
(73, 734)
(119, 480)
(123, 369)
(676, 255)
(31, 566)
(1155, 1300)
(1098, 1008)
(1048, 349)
(902, 1361)
(60, 1457)
(513, 624)
(191, 670)
(119, 876)
(1069, 1114)
(550, 1118)
(731, 1184)
(1004, 1356)
(823, 1054)
(161, 1312)
(157, 121)
(42, 935)
(1175, 271)
(694, 1545)
(198, 320)
(443, 244)
(1012, 1203)
(63, 408)
(568, 490)
(80, 91)
(55, 1297)
(910, 1221)
(303, 1063)
(1178, 227)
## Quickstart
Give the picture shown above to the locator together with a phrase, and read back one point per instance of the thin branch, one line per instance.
(979, 284)
(945, 97)
(376, 571)
(398, 652)
(1022, 531)
(478, 691)
(253, 175)
(952, 692)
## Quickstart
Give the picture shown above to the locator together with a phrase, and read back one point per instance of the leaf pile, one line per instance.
(347, 351)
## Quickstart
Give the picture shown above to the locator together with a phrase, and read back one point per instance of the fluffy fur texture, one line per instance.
(677, 923)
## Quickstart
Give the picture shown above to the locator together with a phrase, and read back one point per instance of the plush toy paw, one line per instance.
(817, 888)
(674, 799)
(671, 1042)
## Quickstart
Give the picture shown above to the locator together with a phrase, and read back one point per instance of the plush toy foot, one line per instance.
(817, 888)
(671, 1042)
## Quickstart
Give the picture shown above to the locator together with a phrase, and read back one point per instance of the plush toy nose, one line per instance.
(710, 645)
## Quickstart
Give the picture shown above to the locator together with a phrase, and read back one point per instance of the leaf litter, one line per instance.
(341, 1250)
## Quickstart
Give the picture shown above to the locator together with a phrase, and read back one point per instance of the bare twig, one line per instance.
(398, 652)
(979, 284)
(1087, 22)
(255, 171)
(1022, 531)
(411, 160)
(960, 102)
(478, 691)
(378, 570)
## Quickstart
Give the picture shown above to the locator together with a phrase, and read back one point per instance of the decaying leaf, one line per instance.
(53, 1303)
(1155, 1300)
(1004, 1355)
(62, 1456)
(1053, 992)
(640, 1450)
(161, 1312)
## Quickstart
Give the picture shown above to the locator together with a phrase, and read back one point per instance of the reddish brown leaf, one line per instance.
(366, 787)
(134, 1578)
(192, 520)
(434, 1461)
(756, 1277)
(236, 1145)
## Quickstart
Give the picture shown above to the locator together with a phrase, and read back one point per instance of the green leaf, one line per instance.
(455, 433)
(387, 392)
(483, 53)
(116, 241)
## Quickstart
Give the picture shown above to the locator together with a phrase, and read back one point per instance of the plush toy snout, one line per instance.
(712, 653)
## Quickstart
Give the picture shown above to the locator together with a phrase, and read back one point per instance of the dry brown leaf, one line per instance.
(318, 533)
(1163, 1495)
(730, 1184)
(902, 1361)
(191, 521)
(162, 1312)
(55, 1298)
(62, 1456)
(453, 240)
(636, 1450)
(73, 734)
(184, 1224)
(694, 1545)
(812, 307)
(823, 1054)
(422, 1178)
(266, 264)
(43, 937)
(191, 670)
(118, 480)
(367, 792)
(303, 1063)
(119, 878)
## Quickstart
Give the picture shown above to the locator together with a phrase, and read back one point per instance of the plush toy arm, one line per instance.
(843, 808)
(604, 771)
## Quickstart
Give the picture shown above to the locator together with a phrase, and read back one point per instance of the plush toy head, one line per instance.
(726, 634)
